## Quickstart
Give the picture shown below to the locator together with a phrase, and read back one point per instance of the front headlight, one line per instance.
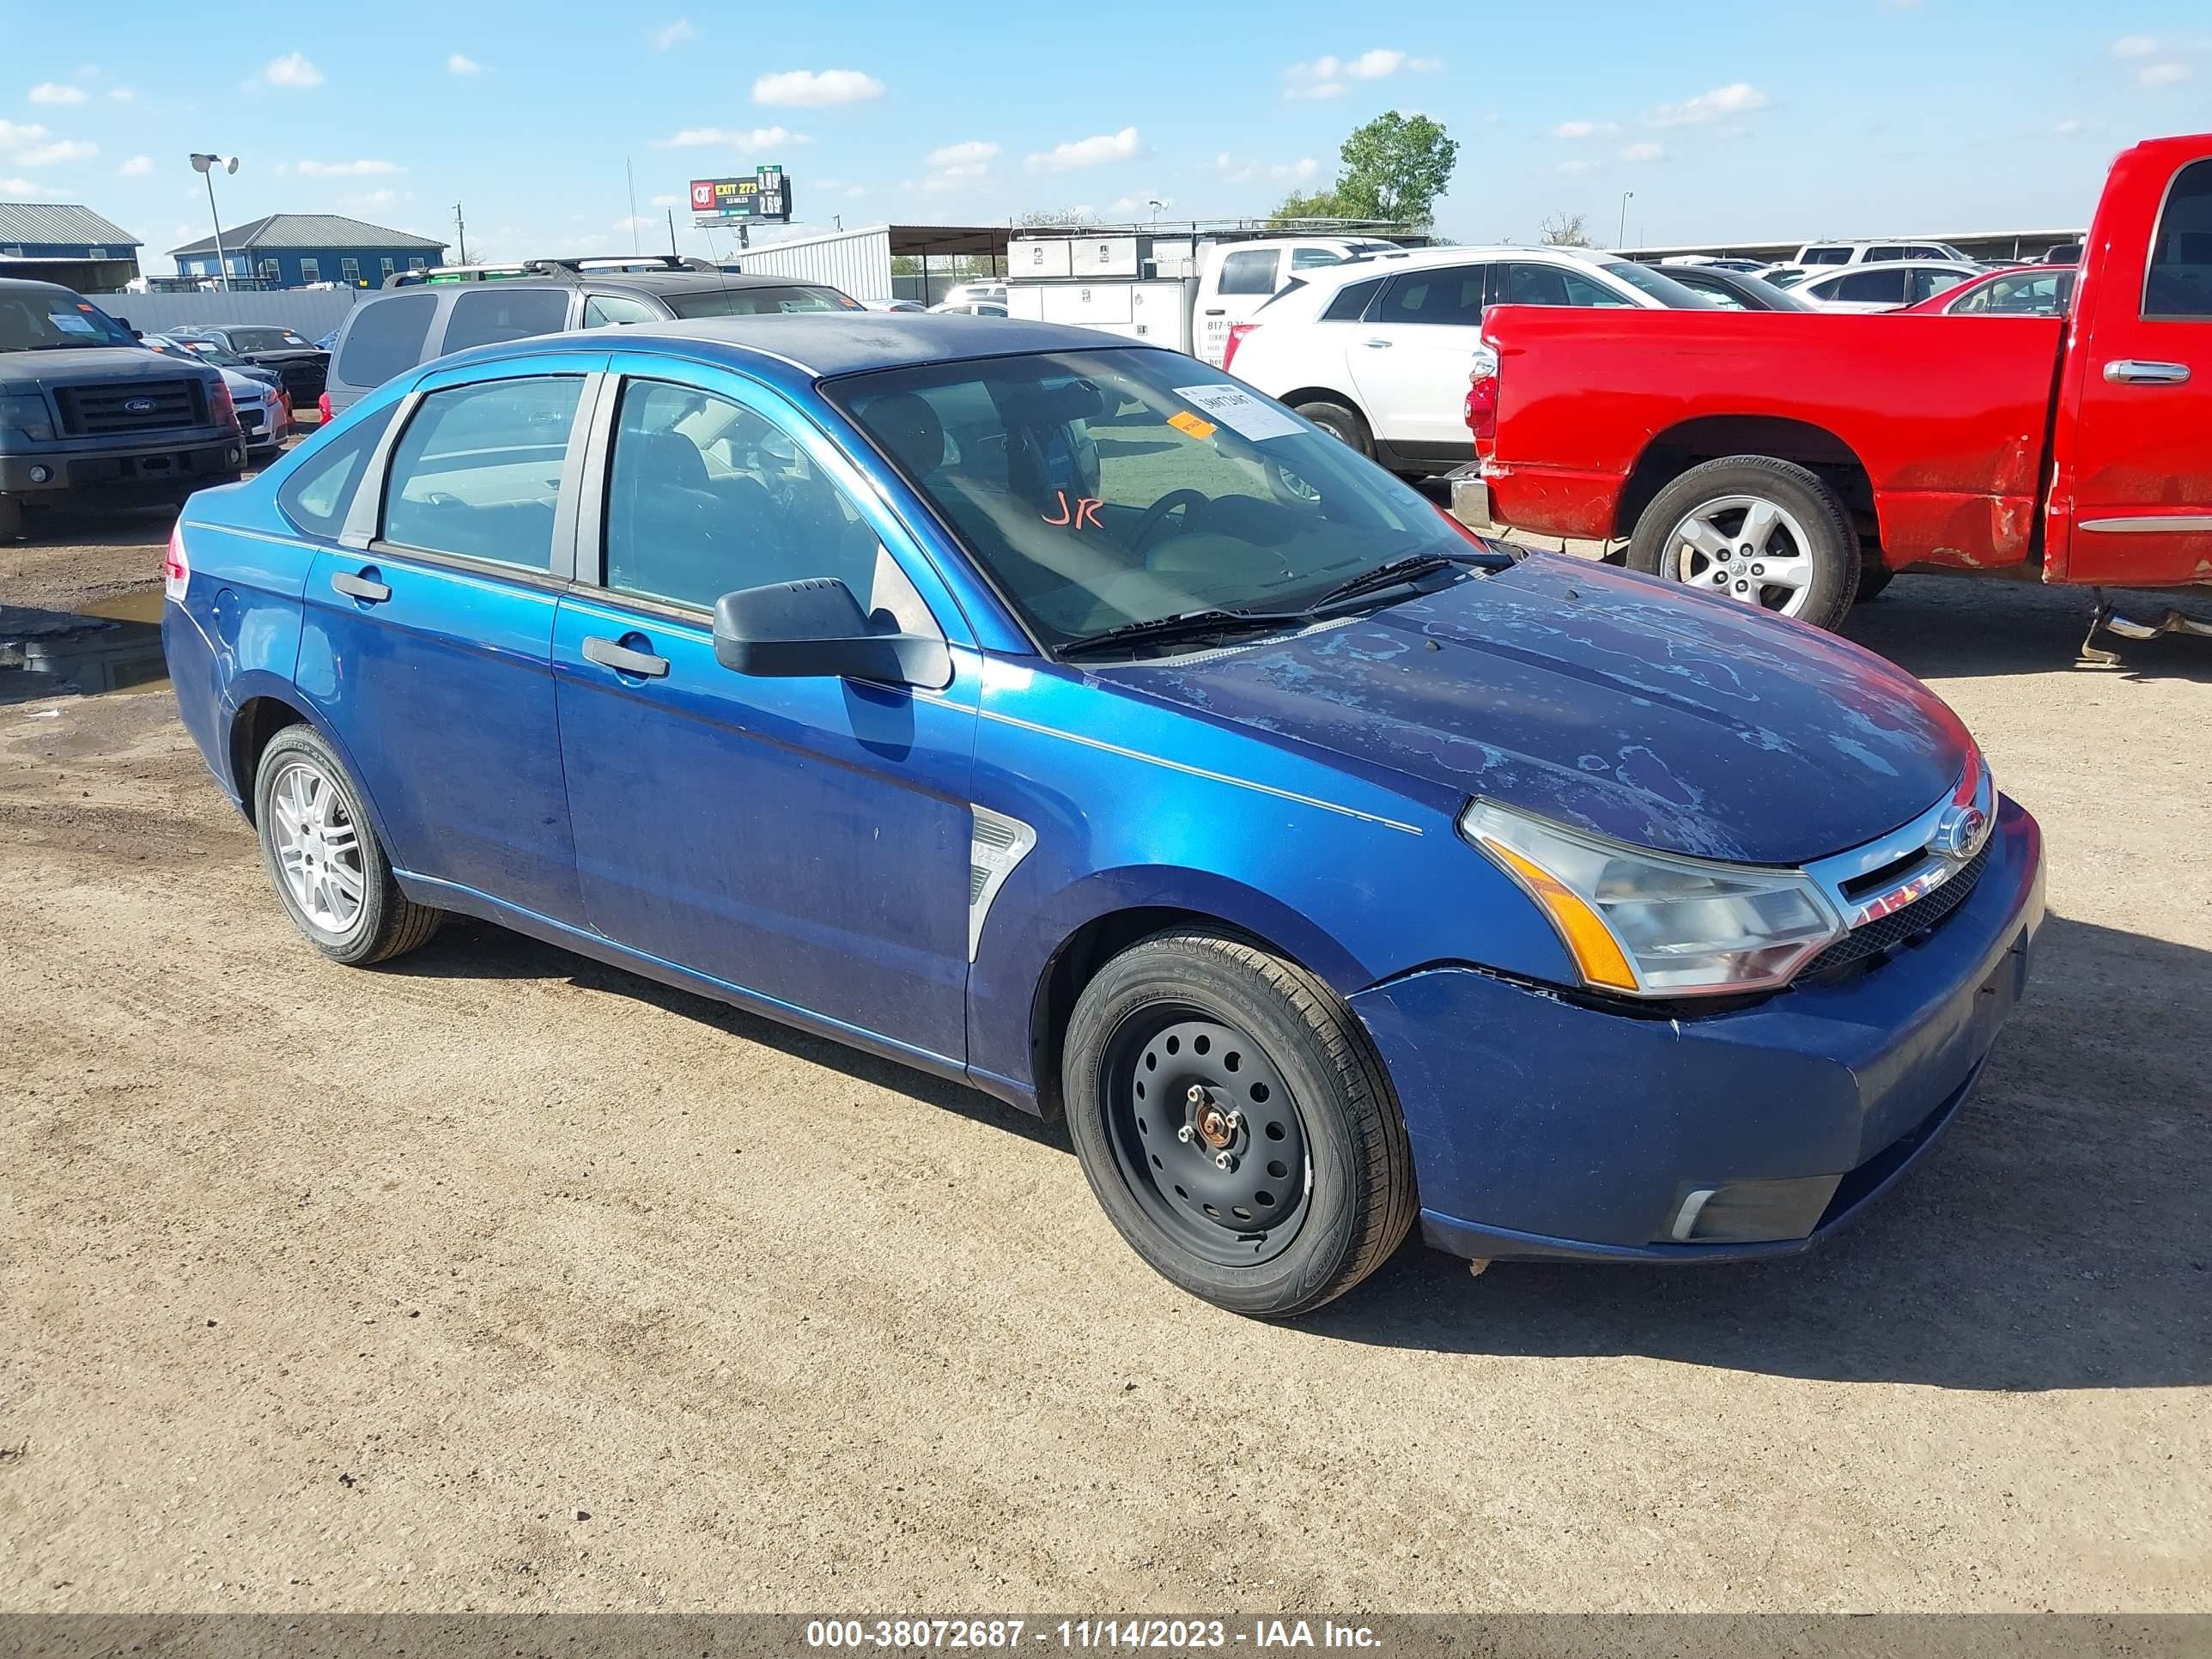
(26, 412)
(1653, 925)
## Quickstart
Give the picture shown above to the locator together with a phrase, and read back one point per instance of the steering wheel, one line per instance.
(1190, 501)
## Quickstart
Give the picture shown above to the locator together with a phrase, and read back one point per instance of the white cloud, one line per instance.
(2133, 46)
(124, 94)
(461, 63)
(1581, 129)
(2165, 74)
(731, 138)
(1091, 152)
(1577, 167)
(51, 92)
(962, 155)
(1296, 173)
(670, 34)
(1643, 152)
(346, 169)
(21, 187)
(136, 168)
(293, 71)
(20, 136)
(816, 89)
(1737, 98)
(1324, 78)
(66, 149)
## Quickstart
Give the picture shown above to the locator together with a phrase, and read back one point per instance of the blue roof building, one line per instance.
(292, 250)
(61, 242)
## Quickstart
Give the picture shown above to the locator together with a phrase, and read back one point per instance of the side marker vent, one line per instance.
(995, 846)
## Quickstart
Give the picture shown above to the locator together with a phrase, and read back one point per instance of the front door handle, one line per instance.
(2128, 371)
(624, 660)
(367, 589)
(1376, 346)
(1217, 311)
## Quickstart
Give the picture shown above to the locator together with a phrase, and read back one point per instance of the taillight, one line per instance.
(176, 568)
(221, 408)
(1482, 403)
(323, 406)
(1236, 333)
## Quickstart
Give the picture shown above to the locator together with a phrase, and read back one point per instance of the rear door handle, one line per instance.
(367, 589)
(1376, 346)
(2128, 371)
(624, 660)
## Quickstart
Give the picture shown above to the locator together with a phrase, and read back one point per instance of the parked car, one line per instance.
(892, 305)
(1732, 290)
(1784, 466)
(87, 416)
(1786, 276)
(1877, 253)
(1324, 866)
(2023, 291)
(1710, 261)
(291, 353)
(987, 291)
(970, 308)
(264, 409)
(394, 329)
(1376, 352)
(1885, 287)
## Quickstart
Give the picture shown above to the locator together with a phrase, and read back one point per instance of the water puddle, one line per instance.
(110, 646)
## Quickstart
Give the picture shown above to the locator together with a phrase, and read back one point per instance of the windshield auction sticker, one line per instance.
(1239, 410)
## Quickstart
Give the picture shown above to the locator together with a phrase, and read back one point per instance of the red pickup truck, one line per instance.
(1797, 460)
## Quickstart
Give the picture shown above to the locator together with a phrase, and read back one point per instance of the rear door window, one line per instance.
(477, 472)
(494, 312)
(385, 338)
(602, 309)
(1870, 286)
(320, 489)
(1450, 297)
(2179, 281)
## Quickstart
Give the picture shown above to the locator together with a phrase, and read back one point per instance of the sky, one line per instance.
(1671, 124)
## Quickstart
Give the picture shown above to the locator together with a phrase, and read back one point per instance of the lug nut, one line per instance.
(1224, 1160)
(1186, 1134)
(1195, 1094)
(1758, 570)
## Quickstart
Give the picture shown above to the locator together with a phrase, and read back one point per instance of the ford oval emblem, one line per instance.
(139, 406)
(1959, 832)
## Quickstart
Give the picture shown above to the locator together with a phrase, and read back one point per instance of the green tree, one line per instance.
(1394, 168)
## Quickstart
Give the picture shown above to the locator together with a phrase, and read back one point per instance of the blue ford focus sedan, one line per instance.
(1060, 715)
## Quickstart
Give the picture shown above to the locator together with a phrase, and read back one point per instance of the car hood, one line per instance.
(1602, 699)
(283, 353)
(79, 365)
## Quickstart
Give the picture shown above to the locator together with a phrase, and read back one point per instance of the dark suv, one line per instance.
(297, 360)
(415, 321)
(87, 416)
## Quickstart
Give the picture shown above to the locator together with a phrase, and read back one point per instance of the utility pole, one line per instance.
(461, 231)
(632, 177)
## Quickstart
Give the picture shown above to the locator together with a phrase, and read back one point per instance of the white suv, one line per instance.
(1876, 253)
(1376, 353)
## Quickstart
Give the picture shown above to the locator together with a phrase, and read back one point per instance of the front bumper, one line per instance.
(145, 469)
(1547, 1128)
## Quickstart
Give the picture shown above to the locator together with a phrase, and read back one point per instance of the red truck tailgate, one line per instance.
(1949, 416)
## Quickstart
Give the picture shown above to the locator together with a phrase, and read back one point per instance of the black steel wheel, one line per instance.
(1236, 1123)
(1207, 1133)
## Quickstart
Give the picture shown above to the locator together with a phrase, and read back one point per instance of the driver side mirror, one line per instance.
(816, 629)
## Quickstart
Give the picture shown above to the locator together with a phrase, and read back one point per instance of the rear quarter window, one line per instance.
(317, 496)
(385, 338)
(1352, 299)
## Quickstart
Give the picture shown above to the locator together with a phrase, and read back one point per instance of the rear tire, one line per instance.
(1757, 530)
(323, 855)
(1317, 1188)
(1341, 422)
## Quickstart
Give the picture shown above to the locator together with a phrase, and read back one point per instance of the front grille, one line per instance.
(250, 419)
(106, 410)
(1916, 918)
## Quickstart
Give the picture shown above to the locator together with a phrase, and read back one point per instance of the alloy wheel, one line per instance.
(1744, 548)
(317, 847)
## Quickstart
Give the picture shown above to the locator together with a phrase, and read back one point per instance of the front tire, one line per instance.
(1237, 1124)
(1341, 422)
(1755, 530)
(330, 871)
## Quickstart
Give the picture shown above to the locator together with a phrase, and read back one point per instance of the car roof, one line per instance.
(25, 284)
(1421, 258)
(823, 344)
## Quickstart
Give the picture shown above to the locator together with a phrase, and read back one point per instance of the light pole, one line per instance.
(205, 166)
(1625, 196)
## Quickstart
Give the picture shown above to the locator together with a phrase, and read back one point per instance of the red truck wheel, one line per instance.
(1755, 530)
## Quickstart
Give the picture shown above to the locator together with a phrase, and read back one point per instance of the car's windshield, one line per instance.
(1098, 488)
(1660, 286)
(267, 339)
(208, 351)
(50, 319)
(756, 301)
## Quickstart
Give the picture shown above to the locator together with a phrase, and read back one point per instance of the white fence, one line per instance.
(313, 312)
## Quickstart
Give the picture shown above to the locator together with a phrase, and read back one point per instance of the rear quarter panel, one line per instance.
(1948, 416)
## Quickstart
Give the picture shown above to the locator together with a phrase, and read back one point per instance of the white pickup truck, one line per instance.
(1180, 290)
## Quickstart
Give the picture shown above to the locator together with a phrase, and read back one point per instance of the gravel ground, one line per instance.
(498, 1279)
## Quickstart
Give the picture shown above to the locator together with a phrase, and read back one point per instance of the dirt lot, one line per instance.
(498, 1279)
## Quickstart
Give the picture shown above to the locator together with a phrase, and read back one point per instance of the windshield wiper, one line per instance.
(1186, 624)
(1391, 574)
